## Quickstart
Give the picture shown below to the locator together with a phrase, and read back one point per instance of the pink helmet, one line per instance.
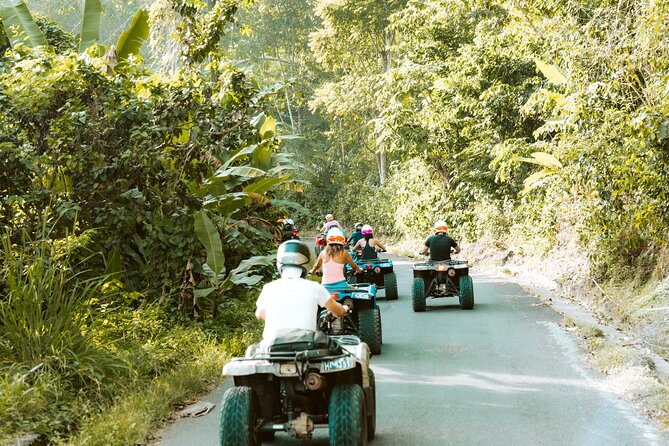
(367, 229)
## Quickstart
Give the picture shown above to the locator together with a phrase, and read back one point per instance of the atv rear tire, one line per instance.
(239, 418)
(371, 407)
(347, 418)
(418, 294)
(369, 326)
(466, 293)
(266, 436)
(390, 282)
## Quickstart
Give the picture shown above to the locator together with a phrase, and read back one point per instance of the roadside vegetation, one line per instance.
(148, 147)
(136, 219)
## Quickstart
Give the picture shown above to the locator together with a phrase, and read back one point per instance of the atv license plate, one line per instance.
(337, 364)
(385, 265)
(361, 296)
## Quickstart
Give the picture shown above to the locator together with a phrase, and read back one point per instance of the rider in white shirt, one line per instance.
(292, 302)
(330, 222)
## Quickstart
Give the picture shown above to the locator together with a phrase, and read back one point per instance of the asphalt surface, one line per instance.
(503, 373)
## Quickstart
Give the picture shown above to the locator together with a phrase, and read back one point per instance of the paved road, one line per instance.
(504, 373)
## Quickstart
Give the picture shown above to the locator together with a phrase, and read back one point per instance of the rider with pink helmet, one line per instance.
(368, 244)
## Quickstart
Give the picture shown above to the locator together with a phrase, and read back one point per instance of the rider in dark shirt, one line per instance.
(356, 235)
(368, 244)
(439, 245)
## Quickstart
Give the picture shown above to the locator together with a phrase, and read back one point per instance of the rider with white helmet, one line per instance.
(333, 259)
(440, 243)
(368, 244)
(292, 302)
(330, 222)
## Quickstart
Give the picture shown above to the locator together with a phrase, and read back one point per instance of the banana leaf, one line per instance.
(131, 40)
(208, 235)
(552, 72)
(19, 24)
(90, 26)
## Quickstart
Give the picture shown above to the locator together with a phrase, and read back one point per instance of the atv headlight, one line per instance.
(288, 368)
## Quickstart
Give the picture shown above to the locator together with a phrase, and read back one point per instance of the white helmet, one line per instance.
(367, 229)
(335, 236)
(329, 217)
(288, 221)
(440, 226)
(293, 253)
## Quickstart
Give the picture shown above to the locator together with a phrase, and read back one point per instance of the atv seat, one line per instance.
(303, 340)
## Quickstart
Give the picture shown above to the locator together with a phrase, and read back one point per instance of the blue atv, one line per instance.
(364, 319)
(377, 271)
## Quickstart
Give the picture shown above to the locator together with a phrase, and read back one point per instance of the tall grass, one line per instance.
(46, 351)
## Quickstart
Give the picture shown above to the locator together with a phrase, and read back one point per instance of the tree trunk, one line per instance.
(386, 61)
(285, 91)
(382, 163)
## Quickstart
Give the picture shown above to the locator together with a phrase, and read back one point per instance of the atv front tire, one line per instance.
(466, 293)
(418, 294)
(371, 406)
(390, 282)
(369, 325)
(347, 418)
(239, 418)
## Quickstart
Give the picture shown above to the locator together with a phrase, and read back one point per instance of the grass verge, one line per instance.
(631, 373)
(135, 415)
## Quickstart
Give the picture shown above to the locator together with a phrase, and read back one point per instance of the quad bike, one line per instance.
(290, 235)
(320, 243)
(377, 271)
(364, 319)
(442, 278)
(302, 379)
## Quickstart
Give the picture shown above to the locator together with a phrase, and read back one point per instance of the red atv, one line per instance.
(319, 244)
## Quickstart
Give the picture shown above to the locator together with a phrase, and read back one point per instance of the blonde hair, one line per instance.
(332, 250)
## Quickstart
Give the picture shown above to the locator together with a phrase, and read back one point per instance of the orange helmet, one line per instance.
(335, 236)
(440, 226)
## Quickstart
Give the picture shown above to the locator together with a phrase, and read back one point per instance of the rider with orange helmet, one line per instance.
(333, 259)
(440, 244)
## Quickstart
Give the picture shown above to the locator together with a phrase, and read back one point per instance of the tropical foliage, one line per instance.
(538, 126)
(133, 205)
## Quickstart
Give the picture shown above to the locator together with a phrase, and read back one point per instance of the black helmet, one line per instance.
(293, 253)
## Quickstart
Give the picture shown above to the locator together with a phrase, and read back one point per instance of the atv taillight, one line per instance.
(441, 267)
(368, 266)
(334, 296)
